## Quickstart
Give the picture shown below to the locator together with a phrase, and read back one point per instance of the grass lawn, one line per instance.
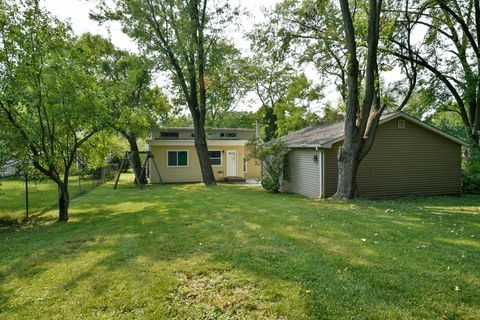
(42, 195)
(235, 252)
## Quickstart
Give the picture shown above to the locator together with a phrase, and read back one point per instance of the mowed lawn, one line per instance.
(43, 195)
(188, 251)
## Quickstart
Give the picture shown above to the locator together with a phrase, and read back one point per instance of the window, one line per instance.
(245, 161)
(215, 157)
(177, 158)
(169, 134)
(228, 135)
(401, 124)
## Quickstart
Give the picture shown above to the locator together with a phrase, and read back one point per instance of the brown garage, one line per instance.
(408, 157)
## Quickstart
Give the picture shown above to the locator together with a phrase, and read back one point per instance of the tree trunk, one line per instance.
(136, 161)
(202, 152)
(63, 202)
(348, 164)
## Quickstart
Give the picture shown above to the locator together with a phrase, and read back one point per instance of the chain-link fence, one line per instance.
(22, 196)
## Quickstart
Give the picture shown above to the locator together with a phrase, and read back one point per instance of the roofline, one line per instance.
(410, 118)
(211, 143)
(214, 129)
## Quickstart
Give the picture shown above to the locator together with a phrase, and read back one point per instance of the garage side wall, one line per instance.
(304, 173)
(405, 161)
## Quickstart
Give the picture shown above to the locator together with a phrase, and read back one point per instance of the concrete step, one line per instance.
(234, 179)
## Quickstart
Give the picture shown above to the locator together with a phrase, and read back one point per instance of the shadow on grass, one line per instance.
(333, 259)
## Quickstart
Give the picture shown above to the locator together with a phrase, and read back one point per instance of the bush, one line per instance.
(471, 171)
(272, 158)
(471, 182)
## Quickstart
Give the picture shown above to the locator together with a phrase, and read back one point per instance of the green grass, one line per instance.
(234, 252)
(43, 195)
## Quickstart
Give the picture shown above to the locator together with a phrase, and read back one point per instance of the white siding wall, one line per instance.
(304, 173)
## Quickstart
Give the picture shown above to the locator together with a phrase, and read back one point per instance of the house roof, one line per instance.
(324, 136)
(211, 129)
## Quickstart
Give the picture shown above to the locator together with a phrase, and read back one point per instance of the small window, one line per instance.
(215, 157)
(228, 135)
(245, 161)
(401, 124)
(177, 158)
(169, 134)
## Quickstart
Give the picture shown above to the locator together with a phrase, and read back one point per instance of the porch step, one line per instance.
(234, 179)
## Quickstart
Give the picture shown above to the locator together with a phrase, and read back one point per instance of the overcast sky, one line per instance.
(76, 12)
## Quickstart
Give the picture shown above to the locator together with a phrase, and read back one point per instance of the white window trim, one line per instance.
(177, 166)
(221, 158)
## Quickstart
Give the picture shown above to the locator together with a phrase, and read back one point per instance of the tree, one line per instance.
(226, 82)
(178, 35)
(272, 157)
(50, 102)
(448, 54)
(135, 106)
(362, 118)
(308, 31)
(285, 97)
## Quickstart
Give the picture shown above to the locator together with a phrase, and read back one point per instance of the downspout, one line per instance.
(321, 169)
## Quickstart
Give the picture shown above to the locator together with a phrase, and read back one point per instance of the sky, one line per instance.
(77, 13)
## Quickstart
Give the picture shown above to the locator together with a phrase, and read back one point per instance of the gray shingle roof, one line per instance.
(314, 136)
(324, 135)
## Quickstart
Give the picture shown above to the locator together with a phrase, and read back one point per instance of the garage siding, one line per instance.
(304, 173)
(406, 161)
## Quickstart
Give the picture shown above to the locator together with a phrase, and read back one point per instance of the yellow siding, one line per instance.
(192, 173)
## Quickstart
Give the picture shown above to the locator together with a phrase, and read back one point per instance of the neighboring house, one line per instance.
(408, 157)
(176, 157)
(9, 168)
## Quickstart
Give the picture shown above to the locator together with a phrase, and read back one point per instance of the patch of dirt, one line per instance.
(216, 295)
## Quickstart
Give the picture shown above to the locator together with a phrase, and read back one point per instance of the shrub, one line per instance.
(471, 171)
(271, 156)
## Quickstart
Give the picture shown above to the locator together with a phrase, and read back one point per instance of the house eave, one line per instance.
(210, 142)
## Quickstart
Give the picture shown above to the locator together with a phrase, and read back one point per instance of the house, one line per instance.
(9, 168)
(408, 157)
(177, 161)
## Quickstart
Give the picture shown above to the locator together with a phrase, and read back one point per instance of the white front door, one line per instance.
(231, 163)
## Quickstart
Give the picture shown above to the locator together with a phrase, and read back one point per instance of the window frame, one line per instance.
(403, 122)
(245, 165)
(168, 134)
(178, 166)
(221, 157)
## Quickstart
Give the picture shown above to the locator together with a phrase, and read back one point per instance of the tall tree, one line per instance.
(285, 95)
(448, 54)
(362, 113)
(50, 102)
(226, 82)
(135, 106)
(179, 35)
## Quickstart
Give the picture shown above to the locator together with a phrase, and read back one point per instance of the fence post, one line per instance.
(26, 197)
(79, 184)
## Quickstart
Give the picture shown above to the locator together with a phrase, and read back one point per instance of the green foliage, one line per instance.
(285, 95)
(471, 171)
(226, 82)
(238, 119)
(271, 156)
(51, 98)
